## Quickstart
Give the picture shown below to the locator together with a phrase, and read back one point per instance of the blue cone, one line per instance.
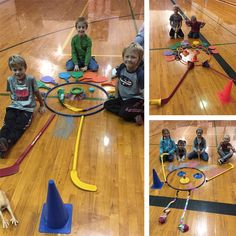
(157, 184)
(56, 216)
(205, 64)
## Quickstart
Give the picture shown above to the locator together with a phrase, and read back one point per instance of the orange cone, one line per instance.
(224, 95)
(194, 59)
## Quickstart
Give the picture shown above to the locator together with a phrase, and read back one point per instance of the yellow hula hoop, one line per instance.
(231, 167)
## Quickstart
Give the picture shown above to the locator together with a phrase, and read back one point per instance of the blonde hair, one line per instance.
(82, 20)
(136, 48)
(227, 137)
(16, 60)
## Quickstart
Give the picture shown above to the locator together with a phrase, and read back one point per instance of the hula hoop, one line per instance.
(181, 49)
(86, 109)
(187, 189)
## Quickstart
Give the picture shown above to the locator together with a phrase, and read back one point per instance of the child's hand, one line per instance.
(84, 68)
(76, 68)
(42, 109)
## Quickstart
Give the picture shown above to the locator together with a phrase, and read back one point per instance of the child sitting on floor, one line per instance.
(181, 150)
(176, 24)
(23, 89)
(167, 145)
(199, 147)
(225, 150)
(195, 27)
(81, 46)
(129, 102)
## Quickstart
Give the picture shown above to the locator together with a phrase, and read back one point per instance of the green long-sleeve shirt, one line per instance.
(81, 49)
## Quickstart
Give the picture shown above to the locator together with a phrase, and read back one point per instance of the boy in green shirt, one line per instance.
(81, 46)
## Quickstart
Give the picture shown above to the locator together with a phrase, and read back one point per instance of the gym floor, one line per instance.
(211, 208)
(111, 151)
(198, 93)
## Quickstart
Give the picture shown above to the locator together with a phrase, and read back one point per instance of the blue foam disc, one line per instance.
(197, 176)
(181, 173)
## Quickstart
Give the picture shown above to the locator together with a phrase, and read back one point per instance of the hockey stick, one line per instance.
(230, 168)
(164, 101)
(11, 170)
(73, 173)
(162, 165)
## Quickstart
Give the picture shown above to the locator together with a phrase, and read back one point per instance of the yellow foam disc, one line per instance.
(196, 43)
(184, 180)
(155, 102)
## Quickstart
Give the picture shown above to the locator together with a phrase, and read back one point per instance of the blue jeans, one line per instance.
(93, 66)
(225, 155)
(193, 35)
(193, 154)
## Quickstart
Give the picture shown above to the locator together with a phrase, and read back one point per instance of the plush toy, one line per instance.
(5, 204)
(181, 150)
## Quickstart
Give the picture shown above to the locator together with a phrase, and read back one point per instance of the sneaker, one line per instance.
(220, 161)
(3, 145)
(113, 72)
(2, 155)
(139, 120)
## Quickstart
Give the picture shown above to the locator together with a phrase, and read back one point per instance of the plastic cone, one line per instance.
(56, 216)
(194, 59)
(205, 64)
(224, 95)
(157, 184)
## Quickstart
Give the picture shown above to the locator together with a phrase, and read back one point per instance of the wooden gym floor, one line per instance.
(197, 95)
(111, 150)
(214, 212)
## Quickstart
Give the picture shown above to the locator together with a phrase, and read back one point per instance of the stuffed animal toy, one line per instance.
(5, 204)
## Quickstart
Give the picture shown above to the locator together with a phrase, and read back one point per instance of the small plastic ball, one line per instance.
(162, 219)
(183, 228)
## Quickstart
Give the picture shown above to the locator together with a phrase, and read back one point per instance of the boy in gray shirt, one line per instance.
(176, 24)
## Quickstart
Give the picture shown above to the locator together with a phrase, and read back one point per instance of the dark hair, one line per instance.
(181, 142)
(165, 130)
(199, 129)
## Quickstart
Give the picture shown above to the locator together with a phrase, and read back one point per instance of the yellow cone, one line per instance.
(184, 180)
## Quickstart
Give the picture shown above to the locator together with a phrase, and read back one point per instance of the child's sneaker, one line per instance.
(3, 145)
(139, 120)
(2, 155)
(113, 72)
(220, 161)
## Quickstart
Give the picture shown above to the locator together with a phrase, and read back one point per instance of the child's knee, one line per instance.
(204, 156)
(70, 65)
(93, 65)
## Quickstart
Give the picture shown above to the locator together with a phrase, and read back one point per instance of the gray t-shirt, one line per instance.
(22, 93)
(129, 84)
(175, 20)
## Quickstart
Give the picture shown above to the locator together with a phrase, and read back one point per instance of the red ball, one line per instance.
(186, 228)
(162, 219)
